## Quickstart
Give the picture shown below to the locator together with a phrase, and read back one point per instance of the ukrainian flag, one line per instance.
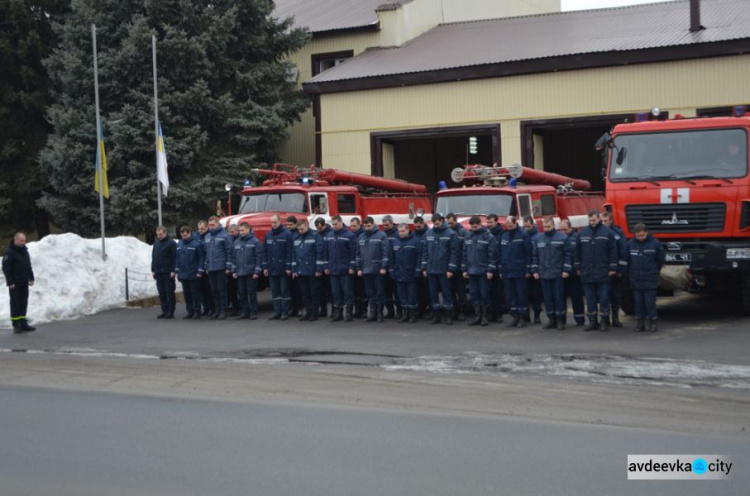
(101, 167)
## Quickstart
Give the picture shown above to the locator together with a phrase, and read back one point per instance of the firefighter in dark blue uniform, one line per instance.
(295, 302)
(18, 277)
(207, 299)
(598, 258)
(308, 265)
(458, 283)
(392, 305)
(552, 263)
(360, 300)
(233, 299)
(423, 292)
(249, 255)
(480, 255)
(163, 257)
(219, 247)
(514, 266)
(190, 259)
(645, 257)
(573, 285)
(405, 269)
(440, 264)
(614, 295)
(535, 285)
(278, 267)
(373, 254)
(341, 246)
(325, 284)
(497, 292)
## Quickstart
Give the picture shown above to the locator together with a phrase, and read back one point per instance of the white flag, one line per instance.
(161, 164)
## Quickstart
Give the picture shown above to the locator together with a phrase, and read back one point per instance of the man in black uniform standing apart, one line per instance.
(163, 257)
(18, 276)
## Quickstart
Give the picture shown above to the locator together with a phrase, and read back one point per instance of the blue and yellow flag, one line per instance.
(101, 166)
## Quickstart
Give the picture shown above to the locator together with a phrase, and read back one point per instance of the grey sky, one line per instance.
(600, 4)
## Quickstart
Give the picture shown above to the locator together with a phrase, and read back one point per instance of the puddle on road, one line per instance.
(619, 369)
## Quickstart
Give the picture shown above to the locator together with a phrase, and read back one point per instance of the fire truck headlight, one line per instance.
(738, 254)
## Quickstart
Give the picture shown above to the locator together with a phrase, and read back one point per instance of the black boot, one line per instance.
(527, 316)
(604, 327)
(25, 327)
(522, 323)
(593, 325)
(435, 317)
(652, 325)
(337, 315)
(477, 316)
(449, 317)
(537, 317)
(616, 317)
(313, 314)
(412, 315)
(561, 321)
(162, 316)
(516, 319)
(551, 322)
(371, 314)
(380, 315)
(323, 310)
(640, 325)
(16, 326)
(404, 315)
(485, 311)
(348, 313)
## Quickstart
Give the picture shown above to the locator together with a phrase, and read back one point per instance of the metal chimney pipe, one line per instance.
(695, 16)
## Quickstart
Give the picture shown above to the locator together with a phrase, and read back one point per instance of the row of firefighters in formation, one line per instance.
(399, 269)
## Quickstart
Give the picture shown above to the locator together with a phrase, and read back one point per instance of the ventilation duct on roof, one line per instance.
(695, 16)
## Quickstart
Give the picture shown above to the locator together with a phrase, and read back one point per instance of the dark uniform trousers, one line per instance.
(19, 302)
(165, 285)
(574, 290)
(311, 293)
(192, 292)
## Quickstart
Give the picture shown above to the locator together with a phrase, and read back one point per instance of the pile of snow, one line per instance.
(72, 280)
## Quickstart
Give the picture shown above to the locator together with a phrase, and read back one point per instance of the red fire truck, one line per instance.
(687, 180)
(313, 193)
(518, 191)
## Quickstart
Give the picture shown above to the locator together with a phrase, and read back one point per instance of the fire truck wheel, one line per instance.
(627, 303)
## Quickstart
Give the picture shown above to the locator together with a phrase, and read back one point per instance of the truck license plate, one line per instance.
(679, 257)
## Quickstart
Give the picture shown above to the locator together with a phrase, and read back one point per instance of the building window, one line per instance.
(321, 62)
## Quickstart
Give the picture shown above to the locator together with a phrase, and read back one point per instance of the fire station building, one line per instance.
(433, 84)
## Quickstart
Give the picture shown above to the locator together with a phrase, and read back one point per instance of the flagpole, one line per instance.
(99, 143)
(156, 131)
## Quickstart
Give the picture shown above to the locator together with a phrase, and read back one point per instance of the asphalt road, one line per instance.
(82, 443)
(694, 327)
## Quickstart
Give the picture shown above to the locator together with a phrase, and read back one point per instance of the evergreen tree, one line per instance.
(224, 104)
(26, 38)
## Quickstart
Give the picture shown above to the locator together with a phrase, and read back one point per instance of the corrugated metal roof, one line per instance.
(465, 44)
(329, 15)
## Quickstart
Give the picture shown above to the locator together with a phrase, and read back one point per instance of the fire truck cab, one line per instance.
(687, 180)
(517, 191)
(313, 193)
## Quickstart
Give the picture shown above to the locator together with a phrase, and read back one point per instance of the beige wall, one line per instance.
(349, 118)
(396, 28)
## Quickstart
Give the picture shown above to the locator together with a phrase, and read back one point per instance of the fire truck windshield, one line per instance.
(475, 204)
(715, 153)
(274, 202)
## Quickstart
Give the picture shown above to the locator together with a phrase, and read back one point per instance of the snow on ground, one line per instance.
(72, 280)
